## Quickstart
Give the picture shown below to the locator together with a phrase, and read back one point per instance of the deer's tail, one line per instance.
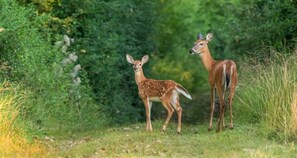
(183, 91)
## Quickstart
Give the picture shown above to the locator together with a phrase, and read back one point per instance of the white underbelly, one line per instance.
(155, 99)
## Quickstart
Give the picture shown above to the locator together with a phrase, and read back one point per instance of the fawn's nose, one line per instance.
(134, 67)
(191, 51)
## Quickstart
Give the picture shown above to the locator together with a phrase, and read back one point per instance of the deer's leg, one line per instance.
(170, 111)
(175, 103)
(221, 98)
(223, 114)
(232, 91)
(212, 106)
(179, 115)
(147, 106)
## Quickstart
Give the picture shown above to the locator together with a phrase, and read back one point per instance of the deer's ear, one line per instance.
(209, 37)
(129, 58)
(199, 36)
(144, 59)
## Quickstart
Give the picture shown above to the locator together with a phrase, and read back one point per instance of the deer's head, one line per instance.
(200, 46)
(137, 65)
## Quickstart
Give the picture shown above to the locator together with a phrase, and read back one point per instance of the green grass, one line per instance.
(194, 141)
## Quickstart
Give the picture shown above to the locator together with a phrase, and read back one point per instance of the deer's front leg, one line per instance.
(212, 106)
(148, 105)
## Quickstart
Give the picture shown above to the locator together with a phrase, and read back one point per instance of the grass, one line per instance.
(13, 140)
(195, 141)
(267, 95)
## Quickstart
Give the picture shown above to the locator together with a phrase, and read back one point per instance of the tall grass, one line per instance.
(267, 95)
(13, 141)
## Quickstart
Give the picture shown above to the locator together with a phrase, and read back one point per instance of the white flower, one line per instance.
(77, 67)
(72, 56)
(58, 44)
(66, 61)
(76, 81)
(64, 49)
(66, 40)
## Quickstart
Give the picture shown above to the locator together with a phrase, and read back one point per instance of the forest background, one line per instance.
(63, 61)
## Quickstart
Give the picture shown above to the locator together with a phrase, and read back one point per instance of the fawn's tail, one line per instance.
(183, 91)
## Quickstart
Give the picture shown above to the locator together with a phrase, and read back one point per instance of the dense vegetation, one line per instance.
(67, 60)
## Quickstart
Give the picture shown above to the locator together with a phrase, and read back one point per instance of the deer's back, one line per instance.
(155, 88)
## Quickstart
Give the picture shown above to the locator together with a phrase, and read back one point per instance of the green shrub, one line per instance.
(58, 94)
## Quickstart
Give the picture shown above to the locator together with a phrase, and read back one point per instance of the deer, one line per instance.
(164, 91)
(222, 77)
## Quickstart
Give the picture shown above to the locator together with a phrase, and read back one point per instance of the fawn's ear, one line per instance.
(209, 37)
(144, 59)
(129, 58)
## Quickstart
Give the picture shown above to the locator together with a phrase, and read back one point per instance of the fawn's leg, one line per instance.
(147, 105)
(170, 111)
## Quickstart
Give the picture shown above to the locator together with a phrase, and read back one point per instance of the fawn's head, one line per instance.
(137, 65)
(200, 46)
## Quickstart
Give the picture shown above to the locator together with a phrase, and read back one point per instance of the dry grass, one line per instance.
(13, 142)
(267, 95)
(293, 122)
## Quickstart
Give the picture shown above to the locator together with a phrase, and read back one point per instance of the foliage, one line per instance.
(271, 101)
(28, 58)
(105, 31)
(256, 24)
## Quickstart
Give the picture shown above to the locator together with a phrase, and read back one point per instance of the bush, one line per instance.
(58, 96)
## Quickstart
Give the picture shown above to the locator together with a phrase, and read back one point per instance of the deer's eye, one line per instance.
(200, 44)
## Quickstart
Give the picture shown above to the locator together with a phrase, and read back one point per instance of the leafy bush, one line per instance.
(257, 24)
(30, 58)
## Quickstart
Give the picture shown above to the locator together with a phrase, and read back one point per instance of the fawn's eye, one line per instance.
(200, 44)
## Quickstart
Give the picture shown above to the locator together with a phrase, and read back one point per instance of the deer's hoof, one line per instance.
(209, 129)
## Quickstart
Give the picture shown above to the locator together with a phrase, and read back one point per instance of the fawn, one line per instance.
(164, 91)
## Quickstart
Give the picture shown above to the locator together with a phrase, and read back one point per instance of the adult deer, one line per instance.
(164, 91)
(221, 75)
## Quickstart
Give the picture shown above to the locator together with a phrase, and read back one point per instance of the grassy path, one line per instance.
(195, 141)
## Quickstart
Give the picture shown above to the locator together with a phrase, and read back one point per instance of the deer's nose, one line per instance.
(134, 67)
(191, 51)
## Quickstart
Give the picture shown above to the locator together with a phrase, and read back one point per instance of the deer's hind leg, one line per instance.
(166, 103)
(175, 103)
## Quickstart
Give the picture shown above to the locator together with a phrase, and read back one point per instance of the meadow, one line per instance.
(194, 141)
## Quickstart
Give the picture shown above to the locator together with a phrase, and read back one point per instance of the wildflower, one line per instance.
(67, 40)
(77, 67)
(72, 56)
(76, 81)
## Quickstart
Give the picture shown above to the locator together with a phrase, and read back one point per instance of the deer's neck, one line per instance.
(139, 77)
(207, 60)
